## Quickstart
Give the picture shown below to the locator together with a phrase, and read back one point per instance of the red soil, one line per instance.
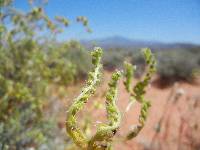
(181, 125)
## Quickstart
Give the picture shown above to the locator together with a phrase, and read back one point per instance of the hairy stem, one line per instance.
(72, 128)
(103, 137)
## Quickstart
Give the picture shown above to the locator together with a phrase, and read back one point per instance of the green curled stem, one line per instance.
(72, 128)
(105, 132)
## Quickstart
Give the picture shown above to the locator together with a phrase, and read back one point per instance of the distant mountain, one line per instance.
(122, 42)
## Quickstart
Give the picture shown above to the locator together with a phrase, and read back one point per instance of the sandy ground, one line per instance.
(180, 127)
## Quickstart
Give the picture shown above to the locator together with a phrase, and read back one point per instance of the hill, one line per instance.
(126, 43)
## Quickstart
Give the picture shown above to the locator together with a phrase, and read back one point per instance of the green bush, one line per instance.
(23, 80)
(138, 60)
(79, 57)
(113, 59)
(68, 62)
(30, 62)
(177, 65)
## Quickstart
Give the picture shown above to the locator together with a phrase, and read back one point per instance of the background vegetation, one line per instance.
(31, 61)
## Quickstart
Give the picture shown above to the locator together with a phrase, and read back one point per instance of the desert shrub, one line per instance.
(68, 62)
(80, 57)
(195, 52)
(173, 64)
(23, 86)
(113, 58)
(177, 65)
(29, 63)
(138, 60)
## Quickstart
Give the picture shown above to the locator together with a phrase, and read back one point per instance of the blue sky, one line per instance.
(159, 20)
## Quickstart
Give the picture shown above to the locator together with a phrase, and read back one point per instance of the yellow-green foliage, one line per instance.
(31, 61)
(103, 137)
